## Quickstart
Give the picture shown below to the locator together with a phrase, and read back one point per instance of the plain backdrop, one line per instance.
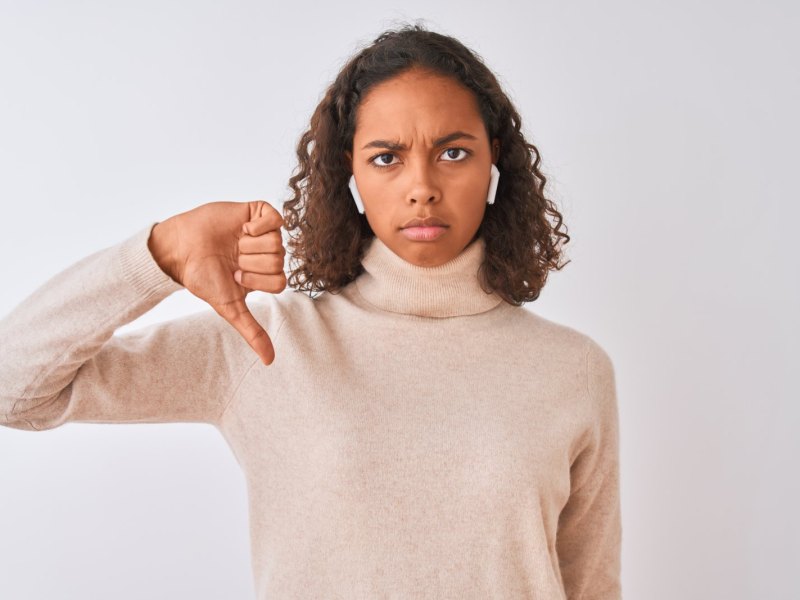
(669, 135)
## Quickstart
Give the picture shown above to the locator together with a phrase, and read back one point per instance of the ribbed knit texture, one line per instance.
(449, 290)
(415, 437)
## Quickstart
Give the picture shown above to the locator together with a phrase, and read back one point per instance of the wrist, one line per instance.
(161, 246)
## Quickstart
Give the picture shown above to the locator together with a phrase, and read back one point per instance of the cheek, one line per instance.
(469, 183)
(373, 186)
(383, 195)
(469, 194)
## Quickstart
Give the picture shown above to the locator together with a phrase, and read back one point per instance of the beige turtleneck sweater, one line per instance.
(415, 437)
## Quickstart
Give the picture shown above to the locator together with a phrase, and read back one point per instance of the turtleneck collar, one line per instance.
(391, 283)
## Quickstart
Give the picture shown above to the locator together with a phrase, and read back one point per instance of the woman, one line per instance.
(408, 432)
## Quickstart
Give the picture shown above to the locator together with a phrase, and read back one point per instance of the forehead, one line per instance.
(418, 103)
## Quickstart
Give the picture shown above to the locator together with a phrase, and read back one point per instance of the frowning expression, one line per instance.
(421, 151)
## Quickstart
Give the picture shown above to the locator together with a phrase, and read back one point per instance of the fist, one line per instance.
(220, 252)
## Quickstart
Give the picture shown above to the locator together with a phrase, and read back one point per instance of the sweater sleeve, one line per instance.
(589, 534)
(61, 361)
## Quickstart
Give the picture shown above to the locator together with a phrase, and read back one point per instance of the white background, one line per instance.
(669, 134)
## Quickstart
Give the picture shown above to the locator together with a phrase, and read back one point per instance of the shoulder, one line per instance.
(591, 361)
(558, 340)
(580, 359)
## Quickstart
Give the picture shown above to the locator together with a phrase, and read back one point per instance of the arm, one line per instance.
(61, 362)
(589, 527)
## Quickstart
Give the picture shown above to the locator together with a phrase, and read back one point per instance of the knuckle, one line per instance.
(280, 283)
(267, 263)
(266, 282)
(275, 217)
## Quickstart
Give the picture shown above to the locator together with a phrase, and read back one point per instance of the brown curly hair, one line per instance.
(328, 236)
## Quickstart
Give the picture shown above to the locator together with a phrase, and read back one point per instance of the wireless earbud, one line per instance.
(356, 195)
(495, 176)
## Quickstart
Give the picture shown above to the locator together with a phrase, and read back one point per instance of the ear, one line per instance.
(349, 159)
(495, 150)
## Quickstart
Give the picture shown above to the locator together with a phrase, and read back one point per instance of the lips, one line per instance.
(426, 222)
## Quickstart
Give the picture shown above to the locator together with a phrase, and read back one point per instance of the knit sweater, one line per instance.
(415, 437)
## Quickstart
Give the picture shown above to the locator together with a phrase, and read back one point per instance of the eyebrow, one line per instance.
(456, 135)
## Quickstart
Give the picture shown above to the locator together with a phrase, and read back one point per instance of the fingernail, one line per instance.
(237, 275)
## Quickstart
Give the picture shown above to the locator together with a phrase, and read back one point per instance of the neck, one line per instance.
(392, 284)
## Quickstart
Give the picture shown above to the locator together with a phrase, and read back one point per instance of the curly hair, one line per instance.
(328, 236)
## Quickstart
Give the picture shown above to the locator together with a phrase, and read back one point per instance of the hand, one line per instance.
(220, 252)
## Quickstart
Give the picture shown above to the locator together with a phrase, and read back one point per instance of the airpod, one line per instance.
(356, 195)
(495, 176)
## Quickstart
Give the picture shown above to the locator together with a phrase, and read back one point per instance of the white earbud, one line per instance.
(495, 176)
(493, 185)
(356, 195)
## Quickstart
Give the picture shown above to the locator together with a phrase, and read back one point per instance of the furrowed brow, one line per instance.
(395, 146)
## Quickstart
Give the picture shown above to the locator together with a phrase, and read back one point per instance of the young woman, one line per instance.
(407, 432)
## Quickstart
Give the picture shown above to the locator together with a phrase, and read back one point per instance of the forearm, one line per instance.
(67, 320)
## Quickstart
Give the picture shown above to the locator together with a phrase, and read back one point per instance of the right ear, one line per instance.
(349, 159)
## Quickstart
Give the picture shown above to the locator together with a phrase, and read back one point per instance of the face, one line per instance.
(420, 150)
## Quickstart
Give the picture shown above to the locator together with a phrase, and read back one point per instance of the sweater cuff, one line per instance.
(141, 270)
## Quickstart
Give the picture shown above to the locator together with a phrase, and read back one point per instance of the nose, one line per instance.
(422, 189)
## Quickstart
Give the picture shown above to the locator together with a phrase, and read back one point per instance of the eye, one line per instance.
(464, 150)
(382, 164)
(380, 160)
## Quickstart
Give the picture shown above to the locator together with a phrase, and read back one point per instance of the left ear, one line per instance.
(495, 150)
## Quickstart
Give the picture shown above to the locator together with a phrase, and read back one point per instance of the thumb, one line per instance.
(238, 315)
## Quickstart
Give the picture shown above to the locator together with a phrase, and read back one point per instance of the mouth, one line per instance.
(423, 234)
(425, 222)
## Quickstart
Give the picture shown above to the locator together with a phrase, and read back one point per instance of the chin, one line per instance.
(429, 254)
